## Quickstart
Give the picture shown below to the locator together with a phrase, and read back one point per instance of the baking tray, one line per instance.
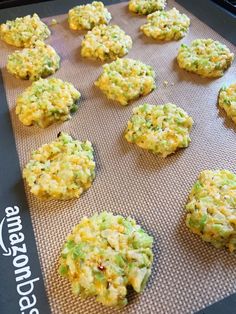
(12, 192)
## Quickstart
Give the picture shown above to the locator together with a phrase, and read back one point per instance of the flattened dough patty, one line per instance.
(160, 129)
(103, 255)
(106, 42)
(166, 25)
(62, 169)
(40, 60)
(47, 101)
(126, 79)
(146, 6)
(24, 31)
(87, 16)
(227, 100)
(211, 208)
(205, 57)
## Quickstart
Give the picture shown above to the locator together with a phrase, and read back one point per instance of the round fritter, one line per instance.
(126, 79)
(62, 169)
(87, 16)
(205, 57)
(146, 6)
(47, 101)
(40, 60)
(227, 100)
(24, 31)
(106, 42)
(211, 208)
(166, 25)
(105, 254)
(159, 129)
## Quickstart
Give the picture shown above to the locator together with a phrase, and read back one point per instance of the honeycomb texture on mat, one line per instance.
(188, 274)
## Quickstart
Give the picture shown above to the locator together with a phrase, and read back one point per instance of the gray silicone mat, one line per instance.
(187, 273)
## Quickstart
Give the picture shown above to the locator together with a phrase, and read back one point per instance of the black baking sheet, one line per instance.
(13, 296)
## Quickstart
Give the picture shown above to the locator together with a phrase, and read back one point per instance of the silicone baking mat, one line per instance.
(187, 274)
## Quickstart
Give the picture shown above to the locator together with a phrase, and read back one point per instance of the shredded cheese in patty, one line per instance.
(211, 208)
(166, 25)
(146, 6)
(126, 79)
(40, 60)
(227, 100)
(62, 169)
(105, 42)
(47, 101)
(103, 255)
(24, 31)
(89, 15)
(160, 129)
(205, 57)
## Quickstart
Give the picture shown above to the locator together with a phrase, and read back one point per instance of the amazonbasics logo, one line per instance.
(17, 251)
